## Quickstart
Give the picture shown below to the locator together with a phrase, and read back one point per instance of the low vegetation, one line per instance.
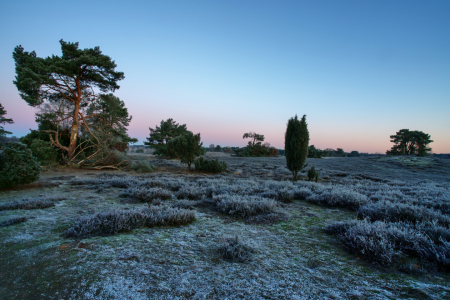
(116, 221)
(235, 250)
(13, 221)
(17, 166)
(38, 203)
(210, 165)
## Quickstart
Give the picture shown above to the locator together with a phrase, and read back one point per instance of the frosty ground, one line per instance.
(281, 222)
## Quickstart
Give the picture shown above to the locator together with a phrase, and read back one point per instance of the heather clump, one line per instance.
(36, 203)
(147, 194)
(339, 197)
(244, 206)
(116, 221)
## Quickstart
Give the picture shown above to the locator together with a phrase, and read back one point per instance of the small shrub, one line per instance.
(233, 249)
(13, 221)
(142, 166)
(340, 197)
(18, 166)
(147, 194)
(28, 204)
(210, 165)
(313, 174)
(244, 206)
(140, 151)
(116, 221)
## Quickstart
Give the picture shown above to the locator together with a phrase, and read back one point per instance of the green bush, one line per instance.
(17, 165)
(210, 165)
(140, 151)
(313, 174)
(43, 151)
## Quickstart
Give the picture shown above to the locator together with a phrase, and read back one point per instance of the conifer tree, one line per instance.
(296, 142)
(4, 120)
(70, 79)
(187, 147)
(161, 136)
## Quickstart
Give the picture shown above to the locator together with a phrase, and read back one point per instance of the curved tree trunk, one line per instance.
(74, 132)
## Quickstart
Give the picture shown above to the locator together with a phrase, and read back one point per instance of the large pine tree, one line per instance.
(73, 78)
(296, 143)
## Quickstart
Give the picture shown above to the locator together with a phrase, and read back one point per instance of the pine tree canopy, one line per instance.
(161, 135)
(74, 78)
(410, 143)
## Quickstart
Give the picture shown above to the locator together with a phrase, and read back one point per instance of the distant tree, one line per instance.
(69, 79)
(187, 147)
(256, 138)
(354, 154)
(3, 121)
(227, 150)
(211, 148)
(161, 135)
(313, 152)
(340, 152)
(255, 147)
(410, 143)
(218, 149)
(296, 144)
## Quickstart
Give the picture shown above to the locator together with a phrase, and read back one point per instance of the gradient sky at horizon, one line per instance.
(359, 70)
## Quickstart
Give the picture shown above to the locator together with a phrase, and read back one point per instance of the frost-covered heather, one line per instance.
(147, 194)
(340, 197)
(385, 243)
(126, 220)
(401, 212)
(13, 221)
(244, 206)
(37, 203)
(235, 250)
(190, 192)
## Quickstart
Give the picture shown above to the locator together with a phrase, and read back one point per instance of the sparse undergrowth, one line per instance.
(116, 221)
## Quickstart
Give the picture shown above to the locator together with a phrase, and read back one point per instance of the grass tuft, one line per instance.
(235, 250)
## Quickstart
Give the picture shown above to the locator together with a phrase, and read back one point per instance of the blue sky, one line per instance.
(359, 70)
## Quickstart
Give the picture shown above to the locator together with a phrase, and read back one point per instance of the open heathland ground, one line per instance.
(371, 228)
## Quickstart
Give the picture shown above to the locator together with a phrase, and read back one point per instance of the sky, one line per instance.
(359, 70)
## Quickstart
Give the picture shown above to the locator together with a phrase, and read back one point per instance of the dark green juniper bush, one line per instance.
(69, 79)
(17, 165)
(296, 144)
(313, 174)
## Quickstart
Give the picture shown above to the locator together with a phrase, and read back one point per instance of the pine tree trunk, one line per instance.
(74, 132)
